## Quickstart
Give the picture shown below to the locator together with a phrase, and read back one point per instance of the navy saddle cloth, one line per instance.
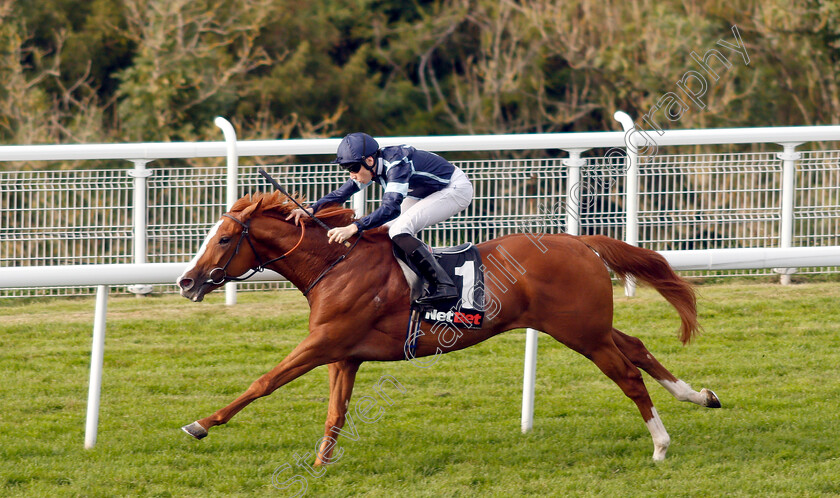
(463, 264)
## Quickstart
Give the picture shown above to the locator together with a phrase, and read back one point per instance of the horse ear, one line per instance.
(248, 211)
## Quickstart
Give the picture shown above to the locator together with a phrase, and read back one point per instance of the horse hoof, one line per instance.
(195, 430)
(712, 400)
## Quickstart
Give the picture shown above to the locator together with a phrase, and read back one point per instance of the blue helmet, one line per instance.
(355, 147)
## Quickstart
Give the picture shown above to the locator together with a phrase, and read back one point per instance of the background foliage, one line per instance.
(84, 71)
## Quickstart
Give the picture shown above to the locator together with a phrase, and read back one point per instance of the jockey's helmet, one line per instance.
(354, 148)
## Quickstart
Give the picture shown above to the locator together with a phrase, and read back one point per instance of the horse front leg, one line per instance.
(342, 378)
(312, 352)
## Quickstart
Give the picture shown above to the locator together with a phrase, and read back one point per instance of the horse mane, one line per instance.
(278, 205)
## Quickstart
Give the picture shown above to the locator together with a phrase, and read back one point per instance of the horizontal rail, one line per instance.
(302, 146)
(167, 273)
(776, 135)
(588, 140)
(90, 275)
(753, 258)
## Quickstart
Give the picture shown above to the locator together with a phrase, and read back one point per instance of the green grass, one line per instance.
(771, 353)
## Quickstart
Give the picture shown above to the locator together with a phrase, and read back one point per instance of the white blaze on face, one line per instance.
(201, 250)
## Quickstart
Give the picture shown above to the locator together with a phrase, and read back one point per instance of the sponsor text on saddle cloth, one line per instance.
(463, 264)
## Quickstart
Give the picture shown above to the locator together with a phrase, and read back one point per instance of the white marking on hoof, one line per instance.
(195, 430)
(683, 392)
(661, 439)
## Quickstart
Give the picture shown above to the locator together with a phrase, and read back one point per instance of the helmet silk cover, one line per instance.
(355, 147)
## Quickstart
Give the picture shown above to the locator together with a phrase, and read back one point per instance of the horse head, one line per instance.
(226, 253)
(256, 233)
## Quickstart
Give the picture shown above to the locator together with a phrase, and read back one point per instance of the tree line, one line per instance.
(94, 71)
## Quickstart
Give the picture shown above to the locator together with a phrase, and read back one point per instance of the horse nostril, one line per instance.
(186, 283)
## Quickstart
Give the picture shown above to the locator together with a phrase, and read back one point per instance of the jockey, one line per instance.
(421, 189)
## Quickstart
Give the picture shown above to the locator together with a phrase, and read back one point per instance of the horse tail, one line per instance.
(650, 267)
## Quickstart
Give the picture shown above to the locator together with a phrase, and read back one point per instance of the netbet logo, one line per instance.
(454, 317)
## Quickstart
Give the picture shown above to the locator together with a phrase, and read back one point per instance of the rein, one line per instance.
(324, 273)
(224, 278)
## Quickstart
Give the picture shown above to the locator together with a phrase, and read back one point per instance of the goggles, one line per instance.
(352, 167)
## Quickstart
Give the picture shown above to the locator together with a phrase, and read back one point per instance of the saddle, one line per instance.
(464, 266)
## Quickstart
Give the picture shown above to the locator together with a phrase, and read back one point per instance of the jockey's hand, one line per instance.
(297, 213)
(340, 234)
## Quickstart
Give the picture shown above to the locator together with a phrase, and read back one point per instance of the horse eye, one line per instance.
(224, 240)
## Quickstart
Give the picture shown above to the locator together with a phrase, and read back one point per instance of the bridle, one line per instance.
(219, 276)
(222, 276)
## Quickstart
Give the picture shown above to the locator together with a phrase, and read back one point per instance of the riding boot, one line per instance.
(441, 287)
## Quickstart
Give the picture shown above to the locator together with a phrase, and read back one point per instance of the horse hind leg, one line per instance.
(619, 368)
(636, 352)
(342, 378)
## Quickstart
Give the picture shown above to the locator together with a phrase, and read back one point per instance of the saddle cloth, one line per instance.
(463, 264)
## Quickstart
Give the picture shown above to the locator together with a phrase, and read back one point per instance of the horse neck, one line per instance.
(304, 264)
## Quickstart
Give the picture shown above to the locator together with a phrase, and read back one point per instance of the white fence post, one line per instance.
(97, 352)
(788, 157)
(529, 380)
(357, 202)
(631, 193)
(232, 185)
(574, 195)
(140, 219)
(574, 190)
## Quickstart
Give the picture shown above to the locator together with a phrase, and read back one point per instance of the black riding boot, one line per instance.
(441, 287)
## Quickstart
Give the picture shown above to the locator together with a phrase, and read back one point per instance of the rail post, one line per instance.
(631, 194)
(140, 217)
(574, 190)
(574, 194)
(357, 202)
(97, 352)
(788, 157)
(529, 380)
(232, 185)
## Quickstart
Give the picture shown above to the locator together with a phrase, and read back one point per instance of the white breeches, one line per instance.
(418, 214)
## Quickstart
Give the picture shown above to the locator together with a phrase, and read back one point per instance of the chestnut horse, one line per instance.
(359, 306)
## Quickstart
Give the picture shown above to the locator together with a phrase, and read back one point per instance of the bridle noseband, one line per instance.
(219, 276)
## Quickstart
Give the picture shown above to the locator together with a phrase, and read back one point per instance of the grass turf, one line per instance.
(771, 353)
